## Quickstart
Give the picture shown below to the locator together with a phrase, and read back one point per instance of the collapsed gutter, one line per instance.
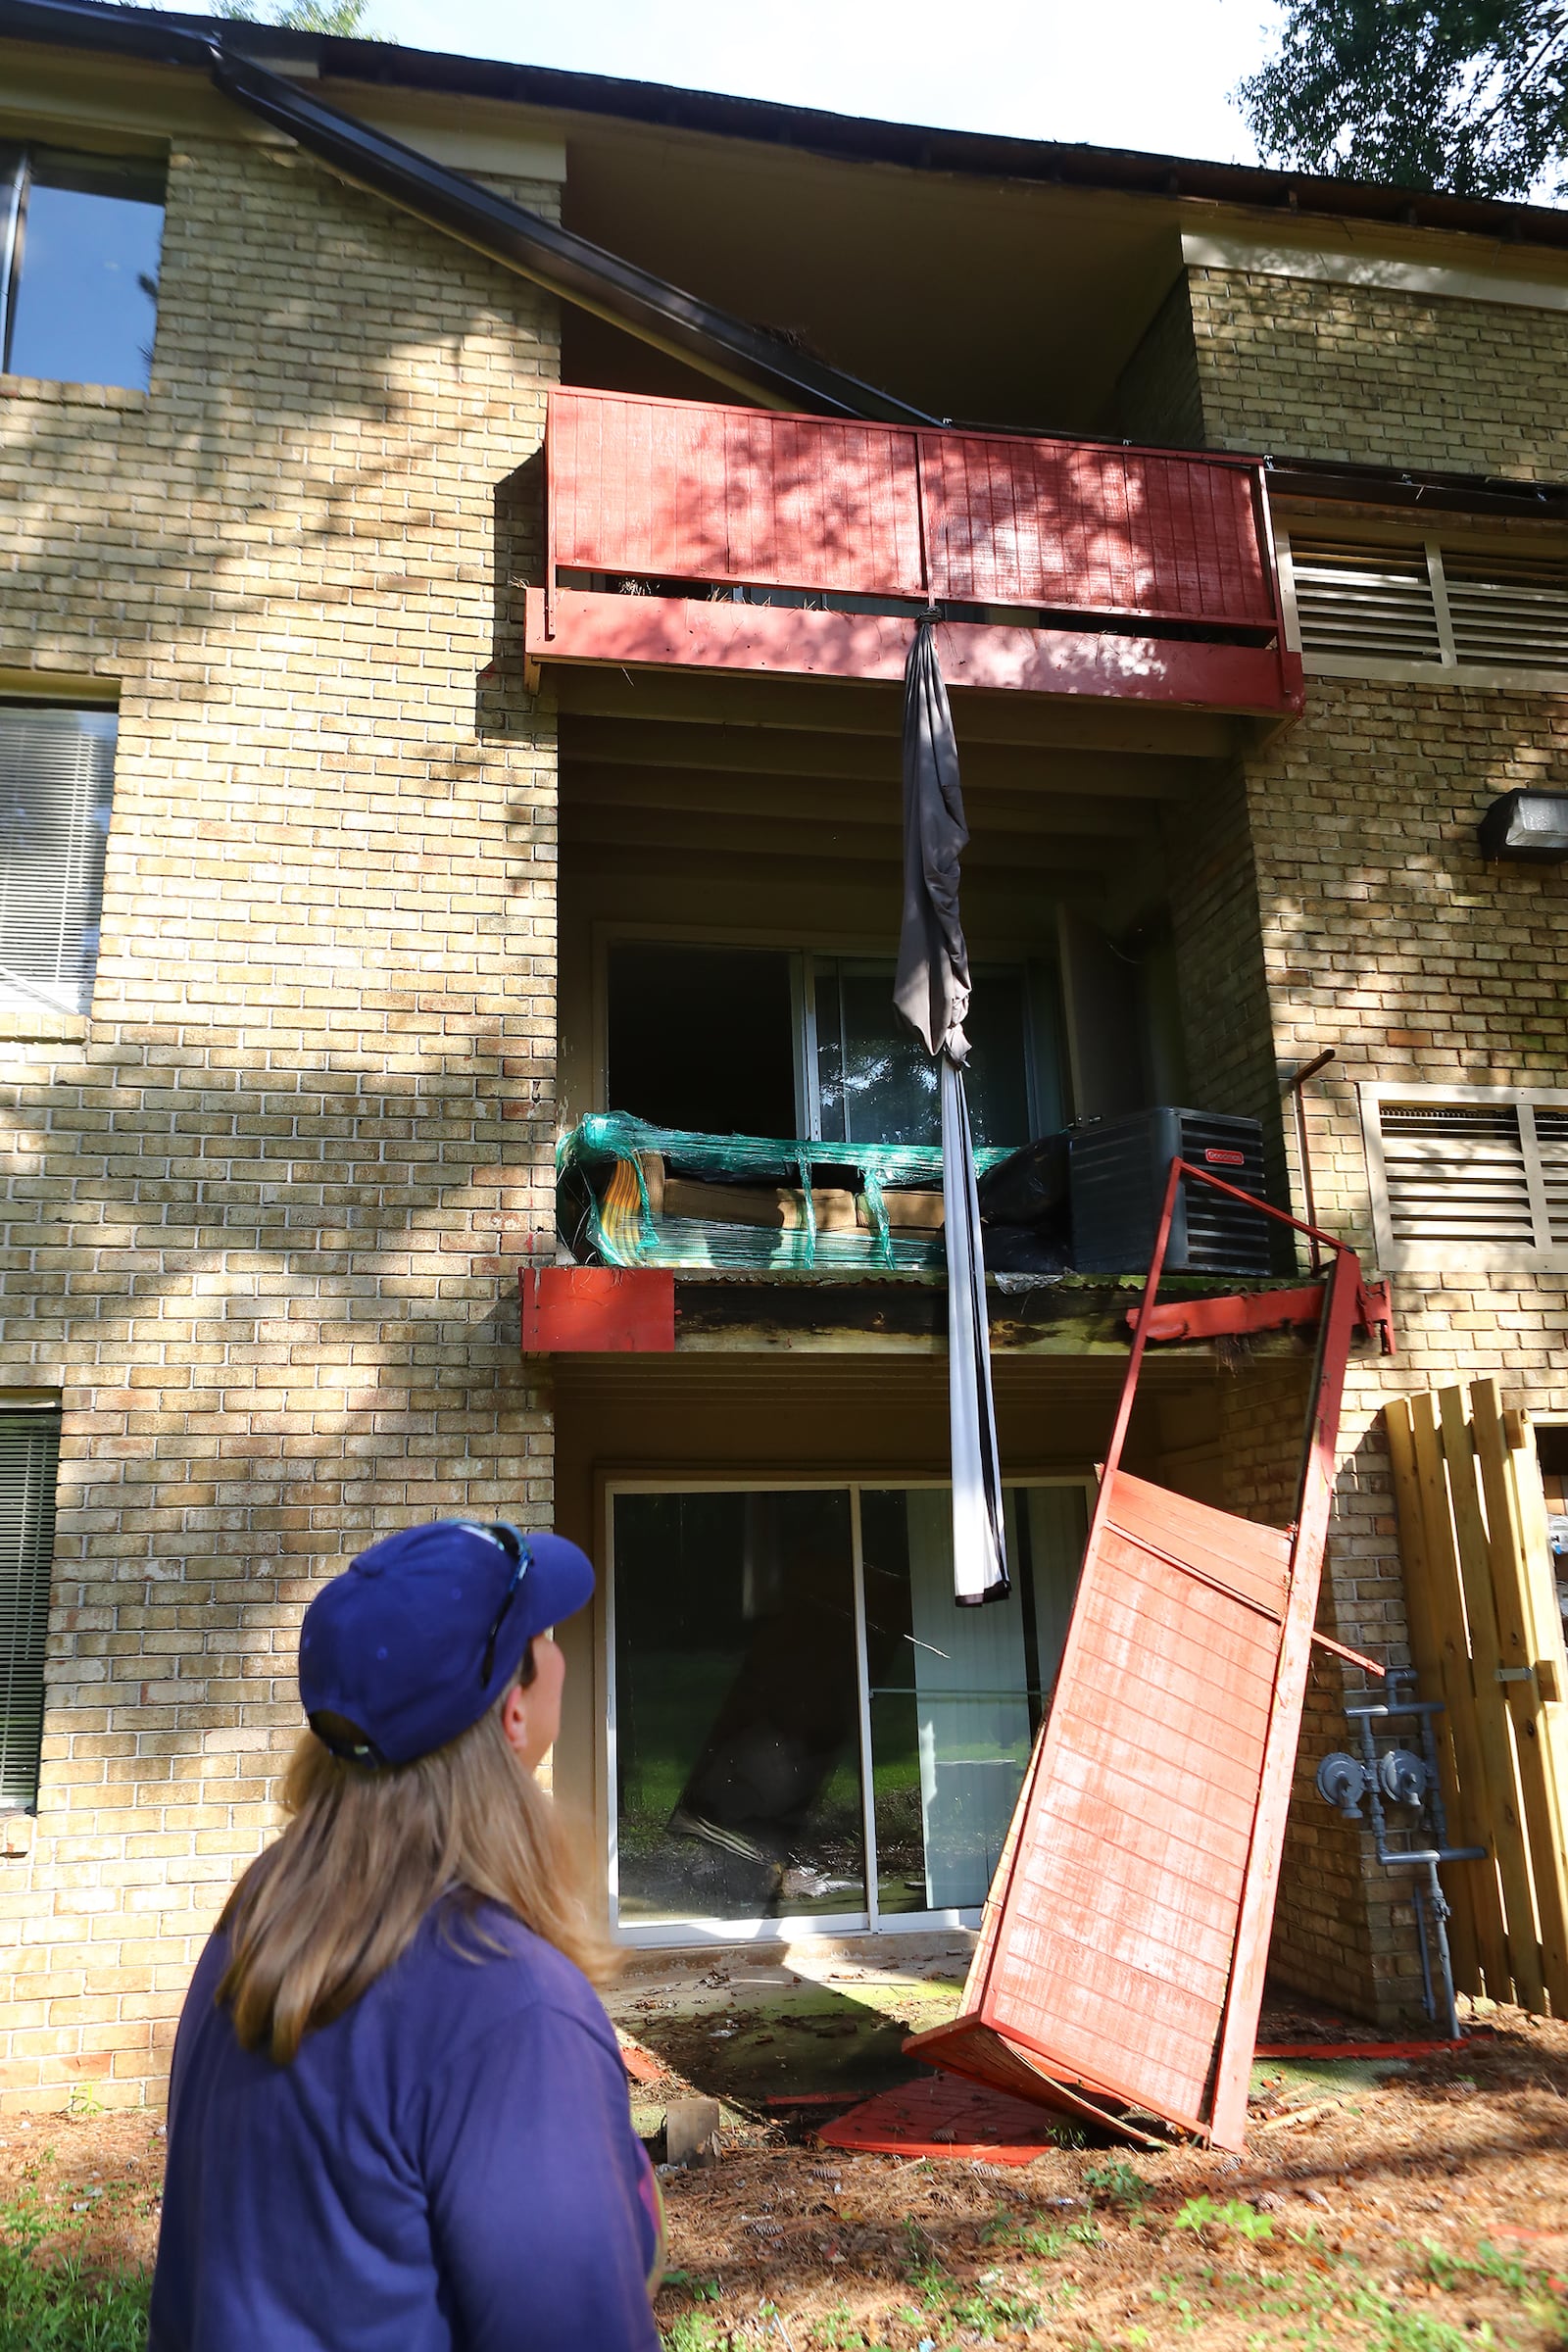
(745, 359)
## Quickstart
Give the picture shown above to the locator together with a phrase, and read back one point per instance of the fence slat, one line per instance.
(1472, 1825)
(1457, 1878)
(1504, 1809)
(1516, 1642)
(1546, 1625)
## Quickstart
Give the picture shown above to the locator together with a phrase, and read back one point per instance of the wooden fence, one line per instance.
(1487, 1637)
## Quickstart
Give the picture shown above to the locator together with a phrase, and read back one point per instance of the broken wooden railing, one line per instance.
(1122, 1947)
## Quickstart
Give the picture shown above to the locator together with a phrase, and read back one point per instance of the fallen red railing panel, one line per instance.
(1122, 1947)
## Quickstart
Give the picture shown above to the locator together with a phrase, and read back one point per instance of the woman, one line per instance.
(398, 2121)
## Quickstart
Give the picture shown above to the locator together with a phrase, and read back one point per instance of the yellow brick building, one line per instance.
(280, 1118)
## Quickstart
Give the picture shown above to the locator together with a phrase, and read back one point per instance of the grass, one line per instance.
(1116, 2183)
(60, 2305)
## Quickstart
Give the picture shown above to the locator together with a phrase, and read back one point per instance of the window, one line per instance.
(30, 1455)
(802, 1725)
(876, 1084)
(762, 1042)
(1414, 608)
(1467, 1176)
(79, 240)
(57, 769)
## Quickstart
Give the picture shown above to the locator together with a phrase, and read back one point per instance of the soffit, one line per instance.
(89, 90)
(996, 301)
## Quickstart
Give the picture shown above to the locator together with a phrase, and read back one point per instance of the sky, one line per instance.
(1146, 73)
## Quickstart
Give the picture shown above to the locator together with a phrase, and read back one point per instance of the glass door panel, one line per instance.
(956, 1693)
(737, 1706)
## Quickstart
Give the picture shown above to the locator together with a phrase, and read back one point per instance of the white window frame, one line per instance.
(1399, 1257)
(1448, 670)
(60, 1004)
(660, 1934)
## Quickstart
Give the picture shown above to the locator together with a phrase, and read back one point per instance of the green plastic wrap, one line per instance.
(604, 1203)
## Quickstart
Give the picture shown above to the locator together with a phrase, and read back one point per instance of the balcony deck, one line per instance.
(683, 535)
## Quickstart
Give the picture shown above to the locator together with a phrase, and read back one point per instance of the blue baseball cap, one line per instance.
(422, 1633)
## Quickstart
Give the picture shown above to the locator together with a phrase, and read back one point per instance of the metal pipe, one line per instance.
(1428, 2004)
(1431, 1903)
(1306, 1070)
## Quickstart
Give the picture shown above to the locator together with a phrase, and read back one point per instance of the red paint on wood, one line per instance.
(1081, 528)
(1209, 1318)
(685, 490)
(944, 2120)
(682, 632)
(1228, 2127)
(602, 1310)
(1124, 1939)
(1266, 1310)
(1357, 2049)
(671, 489)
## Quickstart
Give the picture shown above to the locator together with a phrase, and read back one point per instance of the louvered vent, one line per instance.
(1365, 600)
(30, 1453)
(56, 782)
(1552, 1142)
(1511, 613)
(1448, 607)
(1477, 1183)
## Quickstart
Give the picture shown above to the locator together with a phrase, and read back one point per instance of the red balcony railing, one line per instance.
(1059, 565)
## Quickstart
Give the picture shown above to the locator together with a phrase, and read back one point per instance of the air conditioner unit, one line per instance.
(1116, 1176)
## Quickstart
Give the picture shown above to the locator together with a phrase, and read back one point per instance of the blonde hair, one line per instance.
(365, 1854)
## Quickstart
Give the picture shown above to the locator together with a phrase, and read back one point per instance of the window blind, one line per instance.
(1468, 1179)
(56, 784)
(30, 1456)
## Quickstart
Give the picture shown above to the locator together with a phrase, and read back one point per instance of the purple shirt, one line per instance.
(449, 2167)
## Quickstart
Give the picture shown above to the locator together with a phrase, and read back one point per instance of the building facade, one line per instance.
(342, 883)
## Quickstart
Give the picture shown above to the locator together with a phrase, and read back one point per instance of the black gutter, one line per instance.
(745, 359)
(1404, 486)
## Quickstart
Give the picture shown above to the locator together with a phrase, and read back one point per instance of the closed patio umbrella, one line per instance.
(931, 991)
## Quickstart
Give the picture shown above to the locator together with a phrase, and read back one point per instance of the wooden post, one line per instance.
(1505, 1811)
(1458, 1877)
(1471, 1826)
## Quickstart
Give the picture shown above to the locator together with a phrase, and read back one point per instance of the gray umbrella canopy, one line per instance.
(931, 991)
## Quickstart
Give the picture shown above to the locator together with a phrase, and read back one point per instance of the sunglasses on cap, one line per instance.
(516, 1548)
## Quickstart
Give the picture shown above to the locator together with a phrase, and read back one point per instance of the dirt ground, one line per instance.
(1412, 2208)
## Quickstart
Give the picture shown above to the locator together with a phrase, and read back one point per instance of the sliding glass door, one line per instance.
(802, 1723)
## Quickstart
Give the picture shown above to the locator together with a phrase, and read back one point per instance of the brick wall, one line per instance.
(1159, 396)
(266, 1214)
(1301, 367)
(1385, 936)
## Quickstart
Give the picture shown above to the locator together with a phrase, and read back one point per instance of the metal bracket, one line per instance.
(1243, 1314)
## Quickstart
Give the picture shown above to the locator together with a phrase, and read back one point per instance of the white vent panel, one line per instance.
(1365, 600)
(1393, 610)
(1551, 1143)
(1508, 615)
(1467, 1177)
